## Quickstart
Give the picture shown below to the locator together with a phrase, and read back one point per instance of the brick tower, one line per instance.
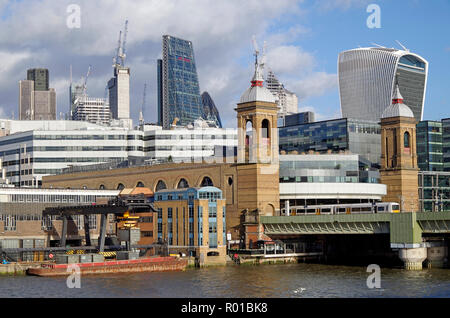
(258, 166)
(399, 169)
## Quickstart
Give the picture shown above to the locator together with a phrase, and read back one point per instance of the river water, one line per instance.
(285, 281)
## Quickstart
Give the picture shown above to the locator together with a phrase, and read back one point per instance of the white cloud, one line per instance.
(36, 35)
(315, 85)
(289, 60)
(326, 5)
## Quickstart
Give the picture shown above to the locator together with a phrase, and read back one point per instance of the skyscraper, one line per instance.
(367, 78)
(210, 110)
(40, 78)
(119, 93)
(178, 87)
(36, 100)
(287, 101)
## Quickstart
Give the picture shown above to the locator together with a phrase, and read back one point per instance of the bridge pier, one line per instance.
(436, 256)
(413, 257)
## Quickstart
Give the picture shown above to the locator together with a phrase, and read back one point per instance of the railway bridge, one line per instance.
(410, 233)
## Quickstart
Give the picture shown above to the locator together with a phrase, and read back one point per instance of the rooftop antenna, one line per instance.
(404, 48)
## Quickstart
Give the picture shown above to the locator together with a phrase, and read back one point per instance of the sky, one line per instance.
(303, 39)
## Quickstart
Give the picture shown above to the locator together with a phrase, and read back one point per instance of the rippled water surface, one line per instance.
(290, 280)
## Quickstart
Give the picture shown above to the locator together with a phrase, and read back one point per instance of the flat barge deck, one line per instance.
(154, 264)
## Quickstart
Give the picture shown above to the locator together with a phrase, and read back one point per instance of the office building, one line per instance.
(211, 113)
(119, 95)
(40, 78)
(36, 100)
(287, 101)
(434, 191)
(93, 110)
(299, 118)
(328, 179)
(194, 218)
(429, 145)
(446, 143)
(30, 150)
(367, 78)
(179, 98)
(332, 136)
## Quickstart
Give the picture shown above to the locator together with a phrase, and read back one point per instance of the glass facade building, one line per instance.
(434, 191)
(210, 110)
(333, 136)
(40, 78)
(327, 169)
(429, 145)
(178, 86)
(367, 78)
(446, 143)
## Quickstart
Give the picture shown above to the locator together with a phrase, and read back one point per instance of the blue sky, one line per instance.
(303, 38)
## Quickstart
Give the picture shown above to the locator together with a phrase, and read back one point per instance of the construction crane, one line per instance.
(85, 81)
(141, 113)
(119, 59)
(116, 57)
(123, 54)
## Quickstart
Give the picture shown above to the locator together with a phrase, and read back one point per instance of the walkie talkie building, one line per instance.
(367, 79)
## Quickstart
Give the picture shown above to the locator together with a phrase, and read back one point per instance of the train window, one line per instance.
(326, 210)
(341, 210)
(300, 211)
(366, 209)
(380, 208)
(310, 210)
(395, 207)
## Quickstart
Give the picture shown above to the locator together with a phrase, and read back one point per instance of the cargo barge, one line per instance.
(154, 264)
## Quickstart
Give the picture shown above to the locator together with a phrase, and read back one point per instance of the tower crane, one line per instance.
(123, 54)
(85, 81)
(119, 58)
(141, 113)
(116, 57)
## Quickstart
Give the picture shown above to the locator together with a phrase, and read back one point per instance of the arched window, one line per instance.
(140, 185)
(265, 129)
(207, 182)
(161, 185)
(120, 186)
(406, 140)
(183, 184)
(102, 187)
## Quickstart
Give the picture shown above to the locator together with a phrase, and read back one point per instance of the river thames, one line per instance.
(285, 281)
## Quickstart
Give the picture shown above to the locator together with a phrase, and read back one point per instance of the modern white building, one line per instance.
(287, 101)
(30, 150)
(119, 94)
(367, 78)
(328, 179)
(91, 109)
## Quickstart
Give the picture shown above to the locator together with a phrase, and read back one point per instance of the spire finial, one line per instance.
(258, 77)
(397, 98)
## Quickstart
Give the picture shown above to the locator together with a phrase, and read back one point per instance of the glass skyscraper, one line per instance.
(178, 87)
(210, 110)
(367, 78)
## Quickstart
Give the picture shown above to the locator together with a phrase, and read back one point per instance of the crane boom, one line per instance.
(86, 79)
(124, 43)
